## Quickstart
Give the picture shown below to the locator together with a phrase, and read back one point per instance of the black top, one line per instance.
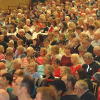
(88, 96)
(91, 68)
(97, 58)
(69, 97)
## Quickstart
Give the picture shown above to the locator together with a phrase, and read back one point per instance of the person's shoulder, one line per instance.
(70, 97)
(88, 96)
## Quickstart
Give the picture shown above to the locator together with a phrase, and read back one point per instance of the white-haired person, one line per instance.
(96, 41)
(96, 51)
(90, 66)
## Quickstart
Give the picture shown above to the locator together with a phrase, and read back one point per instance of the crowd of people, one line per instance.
(51, 51)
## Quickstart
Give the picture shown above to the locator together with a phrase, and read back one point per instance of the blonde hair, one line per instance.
(17, 61)
(1, 49)
(21, 48)
(30, 49)
(76, 58)
(55, 49)
(66, 70)
(49, 68)
(88, 56)
(33, 65)
(72, 25)
(9, 50)
(48, 93)
(82, 84)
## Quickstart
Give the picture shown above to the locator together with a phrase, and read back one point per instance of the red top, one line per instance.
(2, 57)
(98, 94)
(75, 68)
(57, 72)
(51, 29)
(66, 61)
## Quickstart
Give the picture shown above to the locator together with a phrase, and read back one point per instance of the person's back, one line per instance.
(88, 96)
(70, 97)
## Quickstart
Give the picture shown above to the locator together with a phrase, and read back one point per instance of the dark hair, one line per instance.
(64, 28)
(79, 28)
(59, 85)
(91, 27)
(81, 73)
(29, 84)
(57, 61)
(72, 79)
(8, 77)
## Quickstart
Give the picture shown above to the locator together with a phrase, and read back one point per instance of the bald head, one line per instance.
(4, 95)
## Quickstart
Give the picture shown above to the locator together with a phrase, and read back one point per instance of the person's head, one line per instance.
(4, 95)
(91, 28)
(32, 67)
(9, 50)
(11, 43)
(46, 43)
(81, 50)
(20, 42)
(86, 42)
(21, 32)
(8, 78)
(16, 86)
(90, 20)
(64, 71)
(97, 34)
(56, 64)
(88, 58)
(9, 56)
(55, 50)
(96, 50)
(81, 21)
(81, 87)
(20, 50)
(27, 86)
(1, 37)
(70, 82)
(46, 93)
(17, 63)
(59, 85)
(67, 19)
(75, 59)
(18, 73)
(75, 42)
(80, 74)
(48, 70)
(29, 51)
(71, 25)
(71, 35)
(28, 22)
(24, 86)
(79, 29)
(67, 50)
(43, 51)
(2, 65)
(1, 49)
(96, 76)
(83, 36)
(97, 24)
(34, 42)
